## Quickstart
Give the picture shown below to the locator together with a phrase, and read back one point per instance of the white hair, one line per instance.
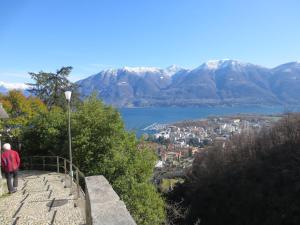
(6, 146)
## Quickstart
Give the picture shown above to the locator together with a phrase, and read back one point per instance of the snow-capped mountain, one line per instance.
(172, 70)
(129, 84)
(214, 82)
(5, 86)
(224, 63)
(288, 67)
(141, 70)
(285, 82)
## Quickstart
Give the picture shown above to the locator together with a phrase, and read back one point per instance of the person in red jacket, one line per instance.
(10, 162)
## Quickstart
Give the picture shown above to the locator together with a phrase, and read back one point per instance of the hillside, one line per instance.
(216, 82)
(252, 180)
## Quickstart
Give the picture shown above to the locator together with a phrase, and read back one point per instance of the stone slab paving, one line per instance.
(41, 199)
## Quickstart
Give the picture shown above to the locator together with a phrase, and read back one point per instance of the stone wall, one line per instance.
(103, 205)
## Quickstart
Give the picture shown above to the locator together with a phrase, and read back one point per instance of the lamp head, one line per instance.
(68, 95)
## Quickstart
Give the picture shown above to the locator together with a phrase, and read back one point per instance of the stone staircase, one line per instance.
(41, 199)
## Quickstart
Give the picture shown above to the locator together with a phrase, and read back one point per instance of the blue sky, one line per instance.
(93, 35)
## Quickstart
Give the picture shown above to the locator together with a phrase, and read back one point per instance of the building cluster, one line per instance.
(182, 140)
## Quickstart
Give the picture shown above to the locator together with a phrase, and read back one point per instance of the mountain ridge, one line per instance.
(215, 82)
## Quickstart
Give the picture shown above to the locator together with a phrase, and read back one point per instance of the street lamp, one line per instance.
(68, 97)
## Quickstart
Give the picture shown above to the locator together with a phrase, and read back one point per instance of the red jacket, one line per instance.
(10, 161)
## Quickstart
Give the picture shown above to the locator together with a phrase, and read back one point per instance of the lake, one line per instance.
(137, 119)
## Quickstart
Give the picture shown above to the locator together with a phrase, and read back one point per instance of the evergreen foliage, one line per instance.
(50, 87)
(46, 134)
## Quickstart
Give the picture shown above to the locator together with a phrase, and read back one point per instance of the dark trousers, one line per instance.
(9, 176)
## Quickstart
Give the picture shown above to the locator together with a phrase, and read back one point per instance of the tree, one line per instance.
(50, 87)
(194, 142)
(163, 141)
(21, 110)
(46, 134)
(102, 146)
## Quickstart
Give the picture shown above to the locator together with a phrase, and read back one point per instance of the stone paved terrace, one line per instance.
(41, 200)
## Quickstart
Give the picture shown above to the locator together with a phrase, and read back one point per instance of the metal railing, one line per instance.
(59, 165)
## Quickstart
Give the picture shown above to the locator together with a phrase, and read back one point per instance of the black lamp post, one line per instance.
(68, 97)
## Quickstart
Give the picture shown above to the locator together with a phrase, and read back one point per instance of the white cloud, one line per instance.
(11, 86)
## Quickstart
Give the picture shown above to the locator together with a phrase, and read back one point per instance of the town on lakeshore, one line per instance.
(178, 144)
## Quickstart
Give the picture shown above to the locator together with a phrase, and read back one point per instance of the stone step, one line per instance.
(41, 199)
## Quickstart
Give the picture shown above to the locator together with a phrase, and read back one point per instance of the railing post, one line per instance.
(57, 163)
(77, 182)
(44, 163)
(71, 178)
(30, 163)
(65, 168)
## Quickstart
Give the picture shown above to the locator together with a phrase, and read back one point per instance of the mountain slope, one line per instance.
(213, 82)
(285, 82)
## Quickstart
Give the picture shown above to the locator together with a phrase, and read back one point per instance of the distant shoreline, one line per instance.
(208, 106)
(233, 116)
(136, 119)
